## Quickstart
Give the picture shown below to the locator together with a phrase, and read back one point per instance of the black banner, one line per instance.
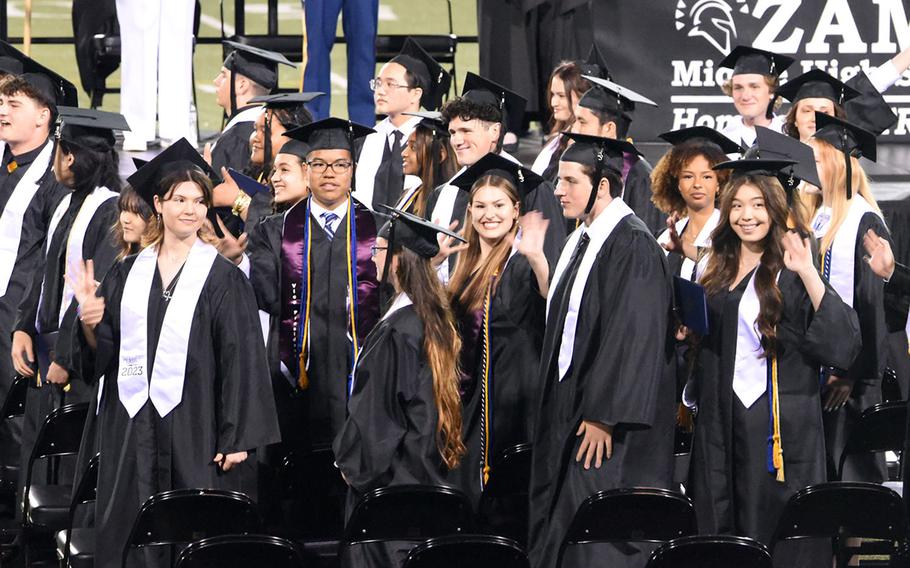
(669, 50)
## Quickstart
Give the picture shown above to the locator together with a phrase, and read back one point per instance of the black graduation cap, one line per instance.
(89, 127)
(481, 90)
(776, 146)
(595, 64)
(683, 135)
(521, 177)
(330, 134)
(746, 60)
(869, 110)
(260, 65)
(609, 96)
(414, 233)
(295, 148)
(279, 100)
(10, 65)
(55, 88)
(851, 139)
(756, 166)
(816, 84)
(431, 77)
(432, 120)
(180, 155)
(599, 153)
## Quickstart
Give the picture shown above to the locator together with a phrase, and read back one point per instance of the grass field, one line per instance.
(52, 18)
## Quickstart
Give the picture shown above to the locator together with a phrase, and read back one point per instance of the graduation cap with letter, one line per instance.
(91, 128)
(599, 153)
(429, 75)
(595, 64)
(776, 146)
(511, 105)
(57, 90)
(747, 60)
(259, 65)
(705, 133)
(433, 121)
(524, 179)
(816, 84)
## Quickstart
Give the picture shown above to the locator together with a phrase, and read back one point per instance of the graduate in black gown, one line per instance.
(314, 277)
(404, 415)
(606, 110)
(848, 211)
(606, 413)
(896, 275)
(773, 321)
(80, 230)
(498, 294)
(185, 392)
(247, 72)
(29, 193)
(427, 160)
(477, 121)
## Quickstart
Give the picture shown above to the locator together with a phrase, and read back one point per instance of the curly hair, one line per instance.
(665, 176)
(15, 85)
(464, 109)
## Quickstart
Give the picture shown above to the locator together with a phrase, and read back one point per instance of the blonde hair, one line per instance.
(772, 81)
(834, 182)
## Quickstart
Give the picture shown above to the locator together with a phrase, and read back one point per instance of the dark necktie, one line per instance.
(390, 176)
(560, 302)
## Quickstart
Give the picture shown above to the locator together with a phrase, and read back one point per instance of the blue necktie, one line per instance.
(329, 218)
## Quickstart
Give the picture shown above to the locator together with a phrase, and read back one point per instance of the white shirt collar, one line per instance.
(386, 127)
(603, 224)
(317, 211)
(401, 301)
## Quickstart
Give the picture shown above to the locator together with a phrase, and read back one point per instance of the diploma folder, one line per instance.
(691, 305)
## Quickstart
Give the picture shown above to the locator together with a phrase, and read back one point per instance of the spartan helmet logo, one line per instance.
(710, 19)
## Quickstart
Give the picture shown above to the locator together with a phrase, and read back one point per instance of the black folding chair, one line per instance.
(639, 515)
(13, 407)
(879, 429)
(76, 546)
(711, 552)
(474, 551)
(182, 516)
(45, 507)
(503, 508)
(408, 513)
(241, 551)
(841, 510)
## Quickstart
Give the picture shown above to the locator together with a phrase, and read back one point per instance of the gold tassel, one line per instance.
(303, 380)
(486, 474)
(685, 419)
(777, 449)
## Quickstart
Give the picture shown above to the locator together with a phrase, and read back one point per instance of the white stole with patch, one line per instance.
(165, 388)
(14, 213)
(843, 249)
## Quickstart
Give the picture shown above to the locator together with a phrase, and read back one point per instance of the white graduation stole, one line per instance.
(750, 368)
(14, 213)
(702, 240)
(165, 388)
(248, 115)
(843, 250)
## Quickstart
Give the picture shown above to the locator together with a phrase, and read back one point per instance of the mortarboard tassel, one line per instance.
(485, 432)
(776, 450)
(849, 166)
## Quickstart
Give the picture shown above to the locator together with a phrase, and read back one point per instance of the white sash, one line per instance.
(248, 115)
(598, 232)
(166, 385)
(843, 249)
(750, 368)
(702, 240)
(545, 155)
(411, 185)
(14, 213)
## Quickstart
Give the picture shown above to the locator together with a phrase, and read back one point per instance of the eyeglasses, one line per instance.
(388, 84)
(374, 249)
(338, 167)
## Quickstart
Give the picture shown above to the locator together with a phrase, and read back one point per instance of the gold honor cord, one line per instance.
(777, 450)
(485, 384)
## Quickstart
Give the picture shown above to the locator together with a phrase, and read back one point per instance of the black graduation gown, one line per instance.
(867, 369)
(733, 490)
(389, 437)
(637, 194)
(621, 373)
(517, 314)
(233, 147)
(27, 266)
(226, 406)
(34, 315)
(900, 280)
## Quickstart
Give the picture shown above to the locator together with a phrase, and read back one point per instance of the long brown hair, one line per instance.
(834, 183)
(435, 164)
(723, 264)
(131, 202)
(417, 278)
(665, 176)
(469, 280)
(575, 86)
(154, 231)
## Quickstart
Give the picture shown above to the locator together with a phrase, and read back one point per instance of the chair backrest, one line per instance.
(881, 428)
(241, 551)
(87, 490)
(711, 552)
(61, 433)
(408, 512)
(461, 551)
(185, 515)
(632, 515)
(845, 509)
(503, 508)
(14, 404)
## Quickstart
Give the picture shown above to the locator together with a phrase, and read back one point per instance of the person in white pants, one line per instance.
(156, 38)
